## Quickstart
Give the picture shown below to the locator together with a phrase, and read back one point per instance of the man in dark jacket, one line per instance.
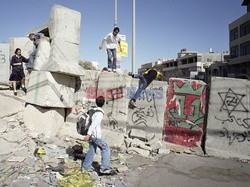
(145, 80)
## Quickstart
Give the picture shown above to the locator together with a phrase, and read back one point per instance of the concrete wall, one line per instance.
(149, 114)
(113, 87)
(185, 110)
(4, 63)
(228, 129)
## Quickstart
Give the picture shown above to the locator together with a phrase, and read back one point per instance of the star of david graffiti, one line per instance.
(232, 102)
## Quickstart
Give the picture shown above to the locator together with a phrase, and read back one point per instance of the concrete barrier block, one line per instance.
(50, 89)
(113, 87)
(43, 53)
(228, 128)
(4, 63)
(149, 114)
(43, 120)
(65, 24)
(64, 58)
(185, 112)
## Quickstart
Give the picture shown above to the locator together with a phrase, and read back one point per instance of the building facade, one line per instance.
(239, 36)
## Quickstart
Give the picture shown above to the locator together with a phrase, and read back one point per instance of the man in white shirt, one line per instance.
(94, 137)
(112, 39)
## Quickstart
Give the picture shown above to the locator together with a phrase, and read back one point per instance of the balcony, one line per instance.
(170, 68)
(195, 64)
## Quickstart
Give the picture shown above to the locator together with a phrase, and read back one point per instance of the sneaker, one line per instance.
(15, 93)
(109, 69)
(114, 70)
(24, 89)
(132, 103)
(105, 171)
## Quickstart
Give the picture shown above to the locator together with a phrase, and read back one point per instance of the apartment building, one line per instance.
(239, 35)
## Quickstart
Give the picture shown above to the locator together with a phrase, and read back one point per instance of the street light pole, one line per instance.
(115, 16)
(133, 37)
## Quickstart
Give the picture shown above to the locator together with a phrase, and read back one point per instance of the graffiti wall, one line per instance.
(228, 130)
(112, 86)
(149, 113)
(185, 109)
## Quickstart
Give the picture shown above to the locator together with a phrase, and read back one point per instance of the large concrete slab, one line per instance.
(23, 43)
(43, 53)
(149, 114)
(4, 63)
(64, 58)
(113, 87)
(185, 112)
(65, 24)
(228, 129)
(43, 120)
(50, 89)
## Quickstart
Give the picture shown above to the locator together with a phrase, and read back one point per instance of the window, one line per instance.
(175, 63)
(209, 60)
(245, 48)
(245, 28)
(184, 61)
(167, 65)
(234, 34)
(234, 51)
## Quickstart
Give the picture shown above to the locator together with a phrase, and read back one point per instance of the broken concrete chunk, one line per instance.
(16, 159)
(141, 135)
(138, 143)
(50, 120)
(156, 145)
(15, 135)
(128, 142)
(122, 168)
(164, 151)
(50, 89)
(139, 151)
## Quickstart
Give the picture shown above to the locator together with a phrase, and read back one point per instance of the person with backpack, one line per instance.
(145, 80)
(94, 137)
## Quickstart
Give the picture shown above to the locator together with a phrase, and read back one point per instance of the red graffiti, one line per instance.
(185, 109)
(75, 111)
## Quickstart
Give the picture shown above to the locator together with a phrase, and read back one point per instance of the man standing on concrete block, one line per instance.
(145, 80)
(94, 137)
(111, 44)
(35, 37)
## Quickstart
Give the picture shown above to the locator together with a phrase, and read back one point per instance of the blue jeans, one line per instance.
(142, 86)
(30, 64)
(105, 152)
(112, 53)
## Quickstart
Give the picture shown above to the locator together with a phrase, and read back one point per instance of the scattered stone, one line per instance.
(142, 152)
(23, 152)
(6, 147)
(156, 145)
(30, 161)
(122, 168)
(16, 159)
(138, 143)
(164, 151)
(15, 135)
(141, 135)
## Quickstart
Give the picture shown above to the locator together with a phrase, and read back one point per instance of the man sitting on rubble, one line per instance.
(145, 80)
(94, 137)
(35, 37)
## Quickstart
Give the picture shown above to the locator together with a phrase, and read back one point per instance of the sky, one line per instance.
(163, 27)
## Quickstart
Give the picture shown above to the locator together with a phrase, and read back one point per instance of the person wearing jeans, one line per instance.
(112, 39)
(145, 80)
(95, 140)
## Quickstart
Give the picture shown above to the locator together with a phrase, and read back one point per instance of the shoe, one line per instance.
(132, 103)
(109, 69)
(15, 93)
(114, 70)
(130, 74)
(105, 171)
(24, 89)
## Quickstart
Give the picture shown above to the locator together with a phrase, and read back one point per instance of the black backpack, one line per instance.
(85, 121)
